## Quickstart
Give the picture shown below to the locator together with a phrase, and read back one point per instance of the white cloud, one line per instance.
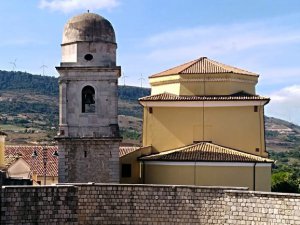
(72, 5)
(219, 40)
(285, 104)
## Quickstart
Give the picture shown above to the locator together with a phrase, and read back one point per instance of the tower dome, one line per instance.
(89, 40)
(88, 27)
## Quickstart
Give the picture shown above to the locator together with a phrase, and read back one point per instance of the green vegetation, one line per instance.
(19, 81)
(286, 171)
(132, 93)
(130, 134)
(270, 133)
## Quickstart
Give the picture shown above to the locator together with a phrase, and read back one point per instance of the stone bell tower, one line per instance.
(88, 138)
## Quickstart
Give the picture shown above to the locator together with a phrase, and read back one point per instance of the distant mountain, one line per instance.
(281, 135)
(29, 106)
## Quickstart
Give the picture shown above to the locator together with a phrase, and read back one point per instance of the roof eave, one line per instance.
(212, 161)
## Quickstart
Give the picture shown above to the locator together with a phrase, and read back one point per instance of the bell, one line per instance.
(89, 99)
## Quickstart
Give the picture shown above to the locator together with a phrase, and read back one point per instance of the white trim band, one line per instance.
(232, 164)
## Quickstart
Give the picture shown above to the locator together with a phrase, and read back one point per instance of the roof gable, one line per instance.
(203, 65)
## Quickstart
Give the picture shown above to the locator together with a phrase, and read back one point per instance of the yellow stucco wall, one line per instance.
(211, 88)
(136, 169)
(238, 176)
(173, 88)
(2, 151)
(49, 180)
(235, 127)
(263, 178)
(203, 84)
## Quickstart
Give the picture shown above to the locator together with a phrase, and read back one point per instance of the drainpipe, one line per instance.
(254, 176)
(143, 172)
(195, 173)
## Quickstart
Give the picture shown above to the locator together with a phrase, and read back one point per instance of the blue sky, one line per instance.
(261, 36)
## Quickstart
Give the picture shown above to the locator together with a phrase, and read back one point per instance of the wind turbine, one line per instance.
(141, 79)
(43, 67)
(14, 65)
(124, 77)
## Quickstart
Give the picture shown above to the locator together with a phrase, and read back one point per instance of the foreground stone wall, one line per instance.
(245, 207)
(145, 204)
(39, 205)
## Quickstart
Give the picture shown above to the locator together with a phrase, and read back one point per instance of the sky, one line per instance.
(261, 36)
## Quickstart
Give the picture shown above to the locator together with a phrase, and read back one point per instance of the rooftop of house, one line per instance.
(12, 153)
(203, 65)
(205, 152)
(124, 150)
(202, 151)
(35, 163)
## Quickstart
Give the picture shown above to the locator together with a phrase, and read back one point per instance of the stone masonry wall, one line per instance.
(88, 160)
(248, 207)
(150, 205)
(145, 204)
(39, 205)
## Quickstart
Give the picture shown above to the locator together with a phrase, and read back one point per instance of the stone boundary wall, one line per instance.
(144, 204)
(250, 207)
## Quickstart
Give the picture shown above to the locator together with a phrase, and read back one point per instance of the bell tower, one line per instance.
(88, 138)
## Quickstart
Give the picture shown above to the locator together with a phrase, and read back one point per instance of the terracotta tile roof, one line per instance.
(172, 97)
(124, 150)
(26, 151)
(205, 152)
(14, 152)
(10, 159)
(203, 65)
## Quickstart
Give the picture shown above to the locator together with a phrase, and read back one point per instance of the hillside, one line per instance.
(29, 112)
(281, 135)
(29, 108)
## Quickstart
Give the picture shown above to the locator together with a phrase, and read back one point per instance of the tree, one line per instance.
(285, 182)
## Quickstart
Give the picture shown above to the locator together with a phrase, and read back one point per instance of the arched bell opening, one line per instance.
(88, 99)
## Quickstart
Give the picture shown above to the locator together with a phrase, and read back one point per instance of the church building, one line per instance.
(204, 125)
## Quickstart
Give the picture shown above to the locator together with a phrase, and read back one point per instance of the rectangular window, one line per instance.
(150, 110)
(126, 170)
(256, 108)
(257, 149)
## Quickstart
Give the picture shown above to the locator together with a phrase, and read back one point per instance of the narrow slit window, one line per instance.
(150, 110)
(126, 170)
(88, 99)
